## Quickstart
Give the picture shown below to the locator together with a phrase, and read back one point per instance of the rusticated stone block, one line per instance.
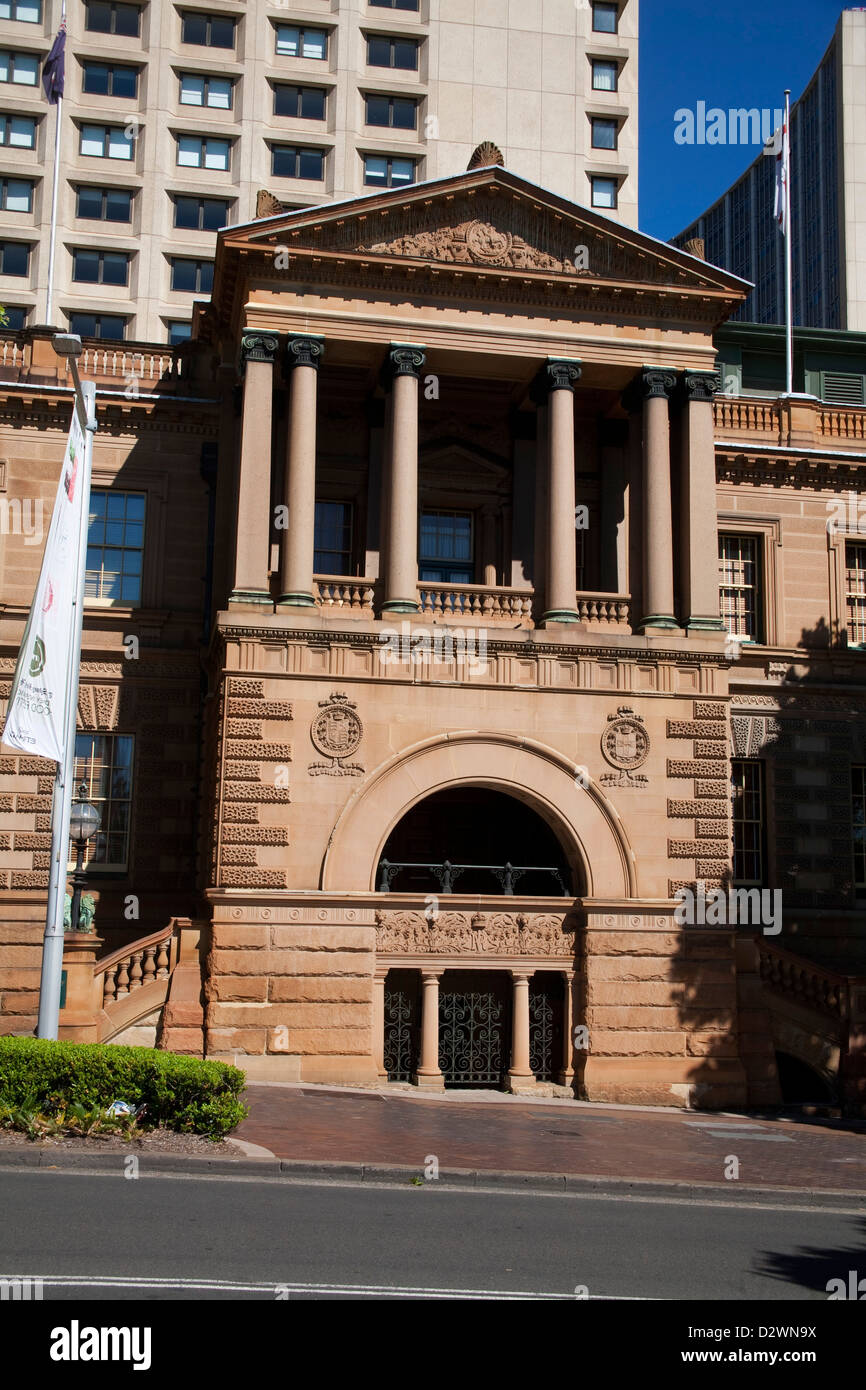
(270, 709)
(243, 772)
(42, 859)
(6, 802)
(5, 840)
(45, 786)
(710, 709)
(28, 839)
(707, 748)
(7, 765)
(326, 989)
(695, 767)
(328, 1041)
(321, 937)
(712, 789)
(710, 829)
(238, 854)
(692, 728)
(619, 992)
(24, 975)
(244, 728)
(232, 988)
(27, 802)
(246, 688)
(18, 1002)
(252, 878)
(240, 815)
(227, 935)
(688, 849)
(709, 869)
(622, 1016)
(38, 765)
(43, 821)
(636, 1044)
(650, 943)
(691, 809)
(38, 878)
(711, 1045)
(250, 1041)
(254, 791)
(255, 835)
(275, 752)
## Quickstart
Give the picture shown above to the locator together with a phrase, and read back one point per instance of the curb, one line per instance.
(299, 1170)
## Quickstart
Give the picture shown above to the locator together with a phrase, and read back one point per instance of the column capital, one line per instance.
(558, 374)
(700, 386)
(655, 381)
(304, 352)
(259, 347)
(405, 359)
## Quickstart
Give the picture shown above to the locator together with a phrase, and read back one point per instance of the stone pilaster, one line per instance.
(560, 378)
(405, 364)
(252, 537)
(700, 537)
(296, 573)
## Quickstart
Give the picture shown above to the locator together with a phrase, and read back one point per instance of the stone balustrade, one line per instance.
(802, 982)
(476, 602)
(333, 591)
(788, 421)
(605, 610)
(131, 967)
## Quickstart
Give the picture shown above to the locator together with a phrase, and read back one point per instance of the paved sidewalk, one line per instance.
(374, 1127)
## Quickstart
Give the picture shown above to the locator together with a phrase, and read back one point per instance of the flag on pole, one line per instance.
(54, 68)
(779, 147)
(36, 719)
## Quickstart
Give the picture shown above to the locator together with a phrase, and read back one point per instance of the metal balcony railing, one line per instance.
(446, 874)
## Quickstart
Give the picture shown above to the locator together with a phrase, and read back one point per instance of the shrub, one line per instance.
(182, 1093)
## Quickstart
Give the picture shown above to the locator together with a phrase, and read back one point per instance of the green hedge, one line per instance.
(182, 1093)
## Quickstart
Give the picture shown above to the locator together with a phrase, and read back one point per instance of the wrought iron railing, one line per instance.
(446, 874)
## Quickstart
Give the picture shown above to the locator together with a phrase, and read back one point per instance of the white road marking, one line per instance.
(85, 1281)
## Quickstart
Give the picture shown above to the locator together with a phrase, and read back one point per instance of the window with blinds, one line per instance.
(747, 805)
(115, 546)
(739, 585)
(855, 592)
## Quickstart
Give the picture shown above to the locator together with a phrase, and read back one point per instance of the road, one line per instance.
(170, 1237)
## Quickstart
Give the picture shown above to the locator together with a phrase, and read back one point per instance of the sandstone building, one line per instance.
(463, 601)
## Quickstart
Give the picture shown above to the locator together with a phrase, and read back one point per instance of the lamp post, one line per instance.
(83, 825)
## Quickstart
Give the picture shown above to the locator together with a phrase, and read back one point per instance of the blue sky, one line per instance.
(742, 53)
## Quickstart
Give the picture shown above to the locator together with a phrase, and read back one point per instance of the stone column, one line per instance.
(428, 1076)
(658, 541)
(488, 546)
(561, 584)
(401, 482)
(564, 1073)
(378, 1048)
(299, 487)
(252, 537)
(700, 534)
(520, 1077)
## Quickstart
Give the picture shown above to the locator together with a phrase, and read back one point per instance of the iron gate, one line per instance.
(546, 1022)
(402, 1024)
(474, 1028)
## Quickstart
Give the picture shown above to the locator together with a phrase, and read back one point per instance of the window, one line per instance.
(445, 551)
(112, 19)
(110, 80)
(747, 795)
(333, 538)
(104, 204)
(115, 545)
(14, 257)
(16, 317)
(209, 30)
(297, 162)
(858, 824)
(197, 152)
(604, 192)
(739, 585)
(106, 142)
(308, 102)
(605, 75)
(394, 4)
(605, 17)
(293, 42)
(108, 326)
(605, 134)
(103, 762)
(194, 277)
(392, 53)
(179, 331)
(855, 592)
(201, 214)
(17, 132)
(16, 195)
(21, 68)
(25, 11)
(399, 113)
(205, 91)
(100, 267)
(580, 560)
(381, 171)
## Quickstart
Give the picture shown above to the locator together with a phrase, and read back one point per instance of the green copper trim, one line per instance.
(706, 625)
(251, 596)
(301, 599)
(659, 620)
(400, 605)
(561, 615)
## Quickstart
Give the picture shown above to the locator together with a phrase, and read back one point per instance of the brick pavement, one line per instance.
(373, 1127)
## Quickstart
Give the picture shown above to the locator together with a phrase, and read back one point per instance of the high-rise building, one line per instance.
(176, 116)
(828, 179)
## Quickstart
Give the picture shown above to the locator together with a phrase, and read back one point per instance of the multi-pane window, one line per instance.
(115, 546)
(195, 277)
(445, 550)
(399, 113)
(297, 162)
(394, 4)
(858, 824)
(17, 132)
(21, 68)
(605, 75)
(16, 317)
(605, 17)
(385, 171)
(16, 195)
(604, 191)
(747, 800)
(103, 18)
(295, 42)
(605, 134)
(208, 30)
(200, 214)
(179, 331)
(25, 11)
(107, 142)
(739, 585)
(104, 204)
(196, 90)
(107, 326)
(100, 267)
(103, 763)
(385, 52)
(855, 592)
(333, 538)
(291, 100)
(14, 257)
(200, 152)
(110, 80)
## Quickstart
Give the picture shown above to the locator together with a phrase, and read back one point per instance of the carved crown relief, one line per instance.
(490, 933)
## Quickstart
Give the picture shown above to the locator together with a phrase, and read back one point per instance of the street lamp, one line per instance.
(84, 822)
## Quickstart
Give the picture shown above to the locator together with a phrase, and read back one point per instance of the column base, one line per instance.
(560, 615)
(429, 1081)
(400, 605)
(519, 1084)
(705, 625)
(250, 598)
(296, 600)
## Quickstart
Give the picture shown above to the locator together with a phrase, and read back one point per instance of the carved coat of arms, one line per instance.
(336, 732)
(625, 745)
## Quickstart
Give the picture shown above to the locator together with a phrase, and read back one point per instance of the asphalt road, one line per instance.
(172, 1237)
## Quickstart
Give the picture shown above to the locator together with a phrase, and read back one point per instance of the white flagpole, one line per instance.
(52, 951)
(789, 253)
(49, 296)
